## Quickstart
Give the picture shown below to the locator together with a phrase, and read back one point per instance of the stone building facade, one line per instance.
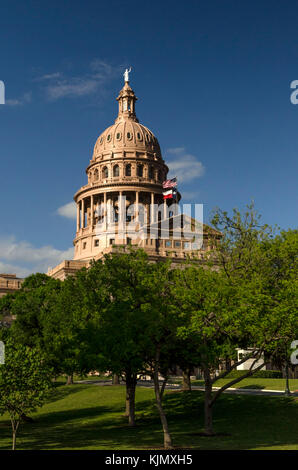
(9, 283)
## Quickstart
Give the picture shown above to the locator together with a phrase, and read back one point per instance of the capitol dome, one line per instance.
(124, 202)
(126, 170)
(127, 133)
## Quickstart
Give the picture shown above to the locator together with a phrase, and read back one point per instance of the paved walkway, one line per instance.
(250, 391)
(239, 391)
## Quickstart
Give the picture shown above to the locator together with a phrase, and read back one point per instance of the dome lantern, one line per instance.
(126, 100)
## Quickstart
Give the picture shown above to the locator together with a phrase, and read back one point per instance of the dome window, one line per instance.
(96, 175)
(129, 136)
(151, 172)
(105, 172)
(109, 138)
(128, 170)
(140, 170)
(147, 137)
(101, 140)
(118, 136)
(116, 171)
(139, 137)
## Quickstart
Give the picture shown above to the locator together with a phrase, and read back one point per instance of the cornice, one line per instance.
(124, 185)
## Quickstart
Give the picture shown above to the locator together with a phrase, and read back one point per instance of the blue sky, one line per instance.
(213, 82)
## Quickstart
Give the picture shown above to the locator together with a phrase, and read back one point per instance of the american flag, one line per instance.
(170, 183)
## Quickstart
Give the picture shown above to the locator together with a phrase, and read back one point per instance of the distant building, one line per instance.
(9, 283)
(241, 353)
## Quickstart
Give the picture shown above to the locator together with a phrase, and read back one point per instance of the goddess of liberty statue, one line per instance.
(126, 74)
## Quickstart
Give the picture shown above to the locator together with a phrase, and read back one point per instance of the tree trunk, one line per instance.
(14, 425)
(287, 390)
(163, 387)
(127, 404)
(166, 434)
(208, 403)
(116, 380)
(186, 384)
(14, 436)
(69, 380)
(131, 382)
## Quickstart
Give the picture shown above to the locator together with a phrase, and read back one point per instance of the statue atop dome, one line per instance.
(126, 74)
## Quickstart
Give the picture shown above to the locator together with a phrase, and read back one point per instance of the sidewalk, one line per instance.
(250, 391)
(240, 391)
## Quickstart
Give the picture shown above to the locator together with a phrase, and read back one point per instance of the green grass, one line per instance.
(255, 383)
(91, 417)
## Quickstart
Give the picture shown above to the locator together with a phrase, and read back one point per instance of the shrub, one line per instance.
(260, 374)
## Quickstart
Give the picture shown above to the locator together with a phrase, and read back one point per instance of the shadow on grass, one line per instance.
(253, 387)
(240, 421)
(60, 391)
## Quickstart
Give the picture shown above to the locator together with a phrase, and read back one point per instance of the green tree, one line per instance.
(30, 307)
(43, 318)
(131, 328)
(24, 382)
(233, 304)
(124, 322)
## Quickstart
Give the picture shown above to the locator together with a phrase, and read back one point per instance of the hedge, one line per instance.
(260, 374)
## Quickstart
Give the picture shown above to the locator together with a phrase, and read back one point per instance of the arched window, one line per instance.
(105, 172)
(151, 172)
(116, 171)
(140, 170)
(96, 175)
(159, 175)
(128, 170)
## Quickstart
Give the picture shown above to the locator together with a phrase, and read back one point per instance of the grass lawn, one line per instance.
(255, 383)
(91, 417)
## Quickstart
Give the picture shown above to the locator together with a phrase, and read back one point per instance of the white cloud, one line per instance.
(68, 210)
(22, 258)
(59, 86)
(13, 269)
(100, 68)
(176, 150)
(71, 87)
(48, 76)
(26, 98)
(184, 165)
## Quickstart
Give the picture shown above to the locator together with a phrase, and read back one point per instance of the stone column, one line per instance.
(165, 209)
(152, 218)
(78, 216)
(121, 215)
(92, 211)
(147, 212)
(109, 209)
(82, 214)
(137, 207)
(105, 209)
